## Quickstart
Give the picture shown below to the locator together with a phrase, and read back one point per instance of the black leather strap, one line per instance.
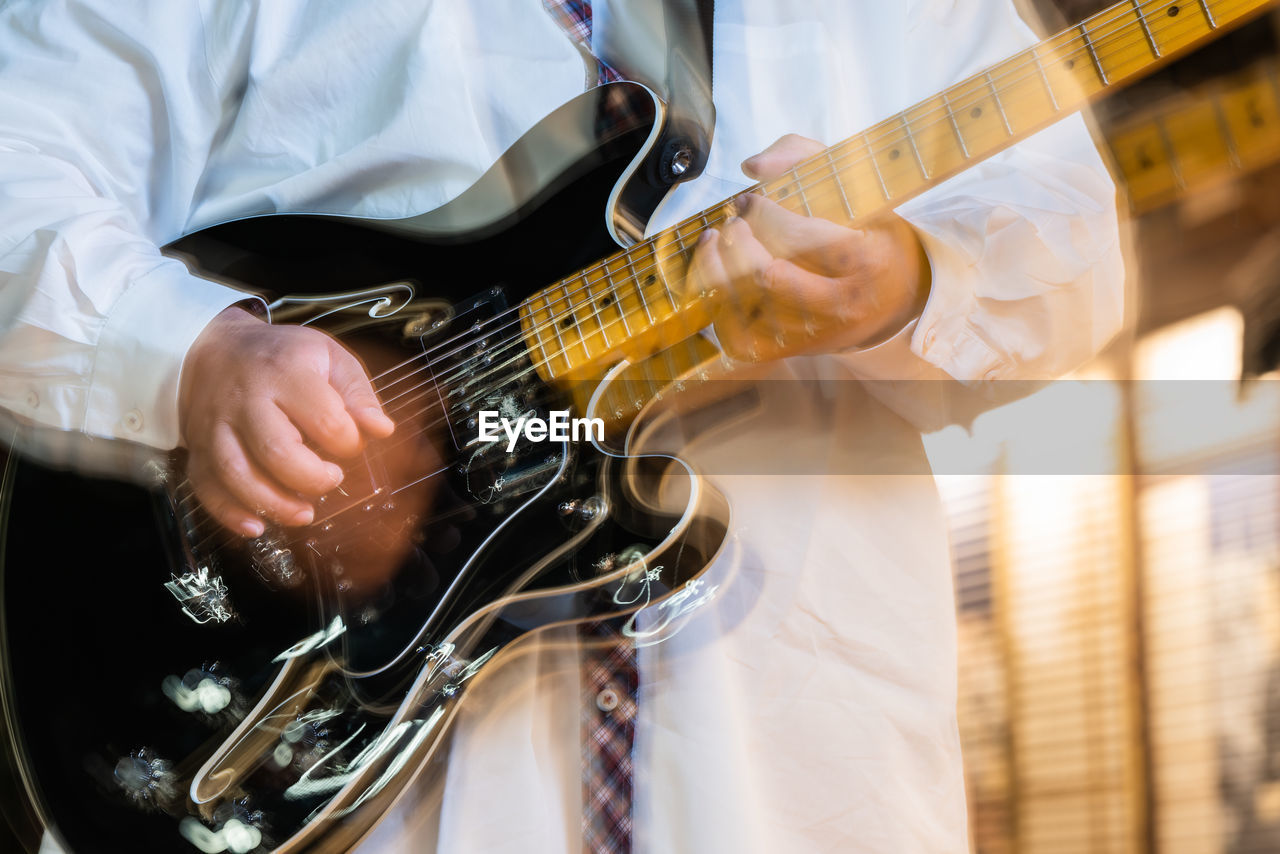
(667, 45)
(691, 115)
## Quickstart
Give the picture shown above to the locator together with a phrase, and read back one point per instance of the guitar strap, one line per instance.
(666, 45)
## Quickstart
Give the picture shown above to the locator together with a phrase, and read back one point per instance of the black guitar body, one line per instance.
(117, 699)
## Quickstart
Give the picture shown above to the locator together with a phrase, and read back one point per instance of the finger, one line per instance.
(349, 379)
(320, 413)
(247, 484)
(744, 257)
(706, 276)
(789, 299)
(746, 263)
(225, 510)
(816, 243)
(277, 447)
(786, 152)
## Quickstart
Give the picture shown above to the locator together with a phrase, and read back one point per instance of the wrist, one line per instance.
(911, 281)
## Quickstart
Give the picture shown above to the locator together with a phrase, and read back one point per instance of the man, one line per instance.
(811, 705)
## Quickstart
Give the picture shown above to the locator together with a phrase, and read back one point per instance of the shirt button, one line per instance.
(133, 420)
(607, 700)
(929, 338)
(992, 375)
(33, 399)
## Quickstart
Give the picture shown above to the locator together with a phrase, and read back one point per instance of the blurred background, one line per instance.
(1120, 617)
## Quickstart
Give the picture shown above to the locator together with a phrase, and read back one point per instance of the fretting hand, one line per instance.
(797, 284)
(252, 397)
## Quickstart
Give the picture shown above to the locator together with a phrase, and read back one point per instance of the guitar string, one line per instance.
(828, 164)
(558, 314)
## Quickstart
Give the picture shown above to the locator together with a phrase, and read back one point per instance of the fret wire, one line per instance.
(572, 317)
(800, 191)
(835, 176)
(955, 126)
(1208, 15)
(555, 328)
(705, 224)
(1232, 152)
(671, 295)
(1053, 99)
(617, 304)
(635, 277)
(595, 310)
(1088, 43)
(906, 125)
(884, 188)
(537, 331)
(1142, 19)
(995, 96)
(684, 249)
(662, 276)
(671, 365)
(1169, 153)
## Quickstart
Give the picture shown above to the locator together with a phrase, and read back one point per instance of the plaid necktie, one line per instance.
(609, 674)
(574, 17)
(610, 681)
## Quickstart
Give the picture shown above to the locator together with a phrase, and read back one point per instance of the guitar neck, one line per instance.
(636, 301)
(1190, 142)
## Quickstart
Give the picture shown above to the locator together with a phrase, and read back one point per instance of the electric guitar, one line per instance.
(186, 688)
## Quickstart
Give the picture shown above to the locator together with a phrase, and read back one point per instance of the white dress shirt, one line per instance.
(811, 705)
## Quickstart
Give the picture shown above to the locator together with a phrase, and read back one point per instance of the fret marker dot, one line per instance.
(567, 322)
(1071, 63)
(605, 302)
(895, 154)
(1173, 11)
(650, 280)
(976, 112)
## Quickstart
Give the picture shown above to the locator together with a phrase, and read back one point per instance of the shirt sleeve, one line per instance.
(106, 113)
(1024, 247)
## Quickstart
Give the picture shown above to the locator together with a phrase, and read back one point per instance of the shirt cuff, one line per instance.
(138, 364)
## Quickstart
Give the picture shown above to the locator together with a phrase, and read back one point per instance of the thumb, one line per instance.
(786, 152)
(348, 378)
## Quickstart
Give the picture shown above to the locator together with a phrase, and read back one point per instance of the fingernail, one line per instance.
(335, 473)
(707, 236)
(378, 415)
(304, 517)
(743, 202)
(252, 528)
